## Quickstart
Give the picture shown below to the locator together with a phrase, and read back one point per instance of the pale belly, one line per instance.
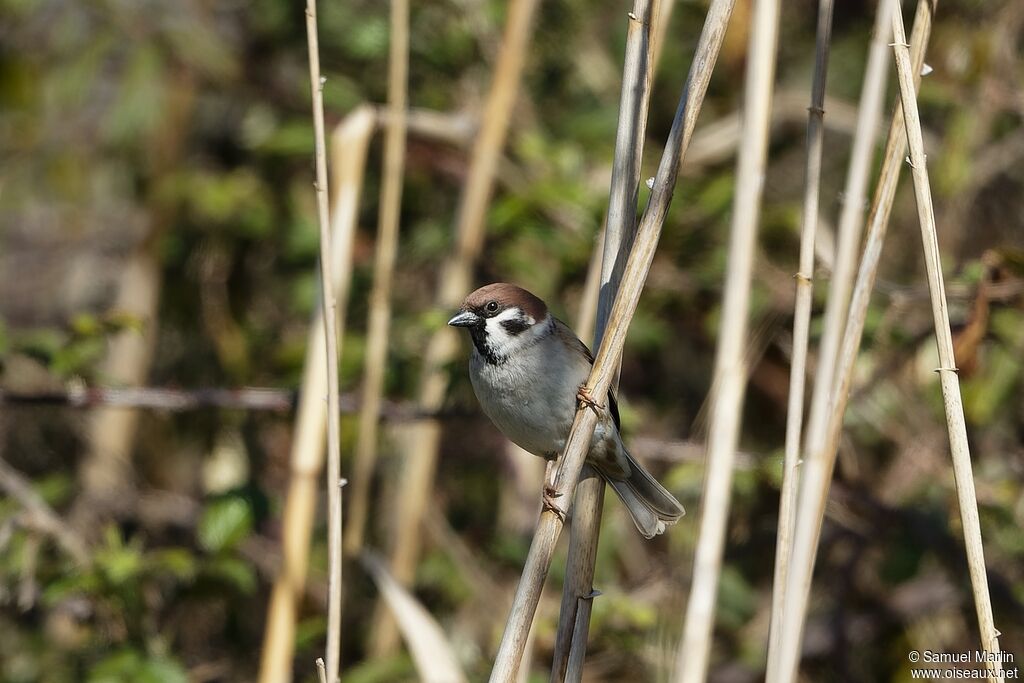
(531, 404)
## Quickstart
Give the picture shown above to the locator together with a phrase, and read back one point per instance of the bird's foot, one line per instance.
(550, 502)
(584, 398)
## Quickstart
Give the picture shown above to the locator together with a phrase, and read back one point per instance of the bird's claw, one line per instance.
(550, 497)
(584, 398)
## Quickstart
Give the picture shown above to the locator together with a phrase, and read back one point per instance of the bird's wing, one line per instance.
(566, 332)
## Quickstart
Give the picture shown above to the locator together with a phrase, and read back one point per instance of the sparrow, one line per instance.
(529, 371)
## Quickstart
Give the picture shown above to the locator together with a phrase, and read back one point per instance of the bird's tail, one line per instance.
(650, 505)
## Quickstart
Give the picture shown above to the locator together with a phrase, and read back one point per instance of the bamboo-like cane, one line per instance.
(334, 482)
(417, 475)
(383, 273)
(730, 373)
(549, 527)
(952, 400)
(818, 470)
(620, 226)
(801, 324)
(349, 144)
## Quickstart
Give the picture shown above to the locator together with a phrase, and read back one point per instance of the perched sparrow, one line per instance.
(527, 369)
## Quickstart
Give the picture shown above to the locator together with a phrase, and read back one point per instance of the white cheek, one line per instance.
(497, 337)
(504, 343)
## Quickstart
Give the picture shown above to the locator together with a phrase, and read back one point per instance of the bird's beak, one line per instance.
(464, 319)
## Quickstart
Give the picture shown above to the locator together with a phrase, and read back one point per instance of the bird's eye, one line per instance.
(491, 307)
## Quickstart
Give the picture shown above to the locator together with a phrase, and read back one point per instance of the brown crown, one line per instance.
(507, 296)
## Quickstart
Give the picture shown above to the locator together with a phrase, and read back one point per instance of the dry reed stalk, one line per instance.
(349, 144)
(327, 301)
(952, 401)
(420, 463)
(662, 20)
(518, 504)
(586, 316)
(549, 527)
(383, 273)
(869, 116)
(801, 323)
(431, 651)
(730, 373)
(818, 470)
(620, 229)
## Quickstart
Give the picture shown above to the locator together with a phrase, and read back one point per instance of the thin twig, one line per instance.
(420, 463)
(549, 527)
(157, 398)
(948, 378)
(817, 470)
(620, 230)
(258, 399)
(383, 273)
(730, 374)
(41, 515)
(331, 339)
(801, 324)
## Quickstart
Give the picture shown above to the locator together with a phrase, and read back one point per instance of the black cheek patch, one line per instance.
(515, 326)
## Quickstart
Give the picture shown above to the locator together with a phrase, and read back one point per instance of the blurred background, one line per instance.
(158, 228)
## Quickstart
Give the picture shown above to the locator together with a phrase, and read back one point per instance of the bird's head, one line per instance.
(502, 319)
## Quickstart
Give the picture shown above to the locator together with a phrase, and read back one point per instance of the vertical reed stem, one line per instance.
(349, 143)
(801, 325)
(730, 368)
(549, 527)
(383, 270)
(817, 474)
(420, 463)
(334, 482)
(620, 228)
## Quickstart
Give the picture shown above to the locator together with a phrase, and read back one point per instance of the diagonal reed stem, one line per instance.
(948, 378)
(818, 470)
(549, 527)
(585, 530)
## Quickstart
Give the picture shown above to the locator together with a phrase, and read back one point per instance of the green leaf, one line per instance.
(234, 571)
(131, 666)
(120, 565)
(225, 522)
(178, 562)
